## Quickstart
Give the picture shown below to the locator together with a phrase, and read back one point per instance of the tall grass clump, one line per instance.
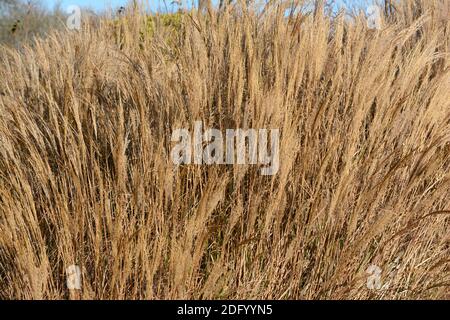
(86, 177)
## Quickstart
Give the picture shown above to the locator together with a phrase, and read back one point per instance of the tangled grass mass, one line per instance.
(86, 177)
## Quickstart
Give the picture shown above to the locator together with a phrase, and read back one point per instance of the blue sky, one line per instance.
(154, 4)
(94, 4)
(105, 4)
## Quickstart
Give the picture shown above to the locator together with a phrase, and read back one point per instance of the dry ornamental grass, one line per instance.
(86, 177)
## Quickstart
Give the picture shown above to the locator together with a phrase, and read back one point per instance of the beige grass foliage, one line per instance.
(86, 179)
